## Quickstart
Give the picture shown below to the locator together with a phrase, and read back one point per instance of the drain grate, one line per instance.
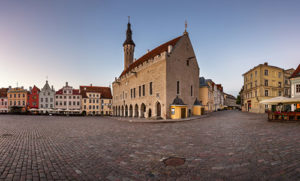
(174, 161)
(6, 135)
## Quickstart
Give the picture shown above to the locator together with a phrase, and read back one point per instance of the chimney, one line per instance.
(91, 85)
(67, 84)
(22, 87)
(170, 48)
(266, 63)
(9, 87)
(148, 51)
(52, 88)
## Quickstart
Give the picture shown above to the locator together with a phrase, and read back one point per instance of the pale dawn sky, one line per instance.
(80, 41)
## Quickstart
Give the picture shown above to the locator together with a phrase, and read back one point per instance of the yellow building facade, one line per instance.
(262, 82)
(206, 94)
(17, 99)
(96, 100)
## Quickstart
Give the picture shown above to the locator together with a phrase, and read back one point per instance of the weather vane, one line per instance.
(185, 25)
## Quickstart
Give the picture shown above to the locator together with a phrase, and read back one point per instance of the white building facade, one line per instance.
(295, 87)
(68, 98)
(47, 97)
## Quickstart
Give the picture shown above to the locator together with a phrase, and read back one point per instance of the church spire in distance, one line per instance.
(128, 40)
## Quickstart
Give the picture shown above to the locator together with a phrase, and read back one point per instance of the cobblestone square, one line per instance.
(226, 145)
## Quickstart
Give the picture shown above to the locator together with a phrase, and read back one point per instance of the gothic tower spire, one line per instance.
(128, 46)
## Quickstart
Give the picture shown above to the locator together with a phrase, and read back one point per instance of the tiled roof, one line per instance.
(3, 92)
(104, 91)
(75, 91)
(158, 50)
(296, 72)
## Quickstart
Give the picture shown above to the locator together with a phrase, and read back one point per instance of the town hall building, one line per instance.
(163, 83)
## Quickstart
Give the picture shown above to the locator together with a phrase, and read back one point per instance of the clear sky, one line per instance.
(80, 41)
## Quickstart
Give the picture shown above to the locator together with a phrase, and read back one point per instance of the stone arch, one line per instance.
(136, 111)
(149, 113)
(119, 111)
(126, 111)
(142, 110)
(130, 111)
(158, 109)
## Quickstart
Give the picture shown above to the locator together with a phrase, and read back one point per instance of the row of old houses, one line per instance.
(213, 97)
(266, 81)
(89, 100)
(163, 83)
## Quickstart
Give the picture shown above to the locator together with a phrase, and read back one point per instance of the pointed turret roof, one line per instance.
(128, 40)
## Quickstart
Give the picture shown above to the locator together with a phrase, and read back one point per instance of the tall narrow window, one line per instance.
(150, 88)
(134, 92)
(131, 93)
(178, 87)
(144, 90)
(298, 88)
(266, 82)
(266, 72)
(191, 90)
(266, 93)
(140, 91)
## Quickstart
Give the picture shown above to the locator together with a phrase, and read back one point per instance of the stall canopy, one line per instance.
(280, 99)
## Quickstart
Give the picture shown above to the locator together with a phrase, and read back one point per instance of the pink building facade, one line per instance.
(3, 100)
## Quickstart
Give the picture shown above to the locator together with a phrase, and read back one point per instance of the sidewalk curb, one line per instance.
(143, 120)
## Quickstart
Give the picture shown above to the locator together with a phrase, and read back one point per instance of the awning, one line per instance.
(280, 99)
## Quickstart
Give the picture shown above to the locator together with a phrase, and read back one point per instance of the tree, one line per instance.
(238, 100)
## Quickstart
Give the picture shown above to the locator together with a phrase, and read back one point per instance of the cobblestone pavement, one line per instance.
(227, 145)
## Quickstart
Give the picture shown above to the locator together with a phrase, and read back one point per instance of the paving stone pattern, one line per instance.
(226, 145)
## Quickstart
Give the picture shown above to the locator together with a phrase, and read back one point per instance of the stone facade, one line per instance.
(3, 100)
(148, 86)
(260, 83)
(68, 99)
(287, 82)
(47, 97)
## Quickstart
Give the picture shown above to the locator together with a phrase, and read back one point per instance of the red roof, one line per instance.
(158, 50)
(219, 86)
(104, 91)
(296, 73)
(3, 92)
(75, 92)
